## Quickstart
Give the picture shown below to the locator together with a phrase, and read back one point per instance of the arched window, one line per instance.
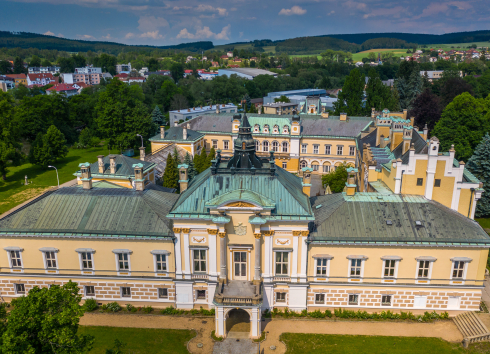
(265, 146)
(275, 146)
(256, 128)
(303, 164)
(315, 165)
(326, 167)
(285, 129)
(284, 146)
(257, 145)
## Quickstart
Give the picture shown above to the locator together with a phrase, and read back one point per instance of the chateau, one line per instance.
(245, 235)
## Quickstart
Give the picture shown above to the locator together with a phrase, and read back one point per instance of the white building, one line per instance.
(189, 113)
(89, 69)
(44, 70)
(247, 73)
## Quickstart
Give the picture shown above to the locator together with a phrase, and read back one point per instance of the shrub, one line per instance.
(129, 307)
(218, 339)
(267, 313)
(317, 314)
(328, 313)
(90, 305)
(147, 309)
(113, 307)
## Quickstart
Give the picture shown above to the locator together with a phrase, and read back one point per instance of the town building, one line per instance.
(123, 68)
(280, 108)
(296, 93)
(183, 115)
(43, 70)
(40, 79)
(68, 90)
(247, 73)
(242, 237)
(20, 79)
(435, 74)
(6, 83)
(92, 78)
(89, 69)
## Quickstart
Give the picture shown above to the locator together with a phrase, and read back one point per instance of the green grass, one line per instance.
(484, 222)
(332, 344)
(13, 191)
(364, 54)
(456, 45)
(139, 340)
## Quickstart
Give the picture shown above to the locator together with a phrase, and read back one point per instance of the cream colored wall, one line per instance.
(465, 198)
(388, 177)
(220, 140)
(444, 193)
(104, 260)
(409, 182)
(119, 182)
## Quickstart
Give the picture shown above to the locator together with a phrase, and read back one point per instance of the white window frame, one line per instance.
(284, 165)
(420, 280)
(320, 302)
(465, 261)
(389, 279)
(315, 167)
(226, 144)
(282, 262)
(200, 260)
(265, 146)
(130, 292)
(85, 292)
(340, 149)
(383, 304)
(16, 291)
(352, 151)
(356, 279)
(301, 164)
(358, 299)
(162, 297)
(304, 148)
(326, 258)
(83, 270)
(275, 146)
(156, 253)
(55, 251)
(316, 149)
(117, 252)
(326, 168)
(15, 249)
(285, 146)
(328, 149)
(257, 145)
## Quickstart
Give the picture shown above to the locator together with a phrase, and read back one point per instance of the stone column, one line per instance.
(178, 254)
(304, 256)
(258, 256)
(255, 323)
(187, 255)
(213, 256)
(222, 244)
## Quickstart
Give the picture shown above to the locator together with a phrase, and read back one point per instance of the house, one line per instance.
(224, 57)
(280, 108)
(44, 70)
(40, 79)
(138, 79)
(247, 73)
(6, 83)
(215, 64)
(122, 76)
(183, 115)
(66, 89)
(80, 86)
(89, 69)
(123, 68)
(89, 77)
(208, 75)
(20, 79)
(160, 72)
(229, 54)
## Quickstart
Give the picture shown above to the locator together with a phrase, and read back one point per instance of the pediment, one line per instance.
(241, 199)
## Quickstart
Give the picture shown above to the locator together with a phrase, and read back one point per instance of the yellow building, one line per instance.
(280, 108)
(245, 236)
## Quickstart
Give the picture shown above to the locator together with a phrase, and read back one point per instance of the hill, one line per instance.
(312, 45)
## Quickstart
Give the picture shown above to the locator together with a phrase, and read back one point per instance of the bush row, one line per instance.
(342, 313)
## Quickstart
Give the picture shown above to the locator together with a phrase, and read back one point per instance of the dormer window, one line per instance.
(276, 129)
(266, 129)
(256, 128)
(285, 130)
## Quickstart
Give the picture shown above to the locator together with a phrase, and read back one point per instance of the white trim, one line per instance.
(161, 273)
(80, 260)
(431, 261)
(355, 279)
(294, 271)
(304, 259)
(55, 253)
(124, 272)
(187, 255)
(387, 279)
(213, 257)
(317, 276)
(15, 269)
(458, 281)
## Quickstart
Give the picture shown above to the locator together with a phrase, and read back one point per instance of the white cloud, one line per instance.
(151, 23)
(205, 33)
(49, 33)
(295, 10)
(108, 37)
(395, 12)
(129, 35)
(85, 36)
(331, 12)
(152, 35)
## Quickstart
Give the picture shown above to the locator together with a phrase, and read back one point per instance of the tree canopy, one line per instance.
(336, 179)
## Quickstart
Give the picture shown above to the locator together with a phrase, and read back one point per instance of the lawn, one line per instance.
(139, 340)
(457, 45)
(484, 222)
(332, 344)
(364, 54)
(13, 191)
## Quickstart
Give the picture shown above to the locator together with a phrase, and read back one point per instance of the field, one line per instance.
(13, 191)
(396, 52)
(139, 340)
(457, 45)
(337, 344)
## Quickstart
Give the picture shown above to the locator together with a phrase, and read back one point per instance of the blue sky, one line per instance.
(166, 22)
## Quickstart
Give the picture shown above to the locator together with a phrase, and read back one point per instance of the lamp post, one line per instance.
(141, 139)
(56, 174)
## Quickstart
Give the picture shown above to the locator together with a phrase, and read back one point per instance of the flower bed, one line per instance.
(113, 307)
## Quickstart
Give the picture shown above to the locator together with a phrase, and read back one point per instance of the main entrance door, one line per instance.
(240, 265)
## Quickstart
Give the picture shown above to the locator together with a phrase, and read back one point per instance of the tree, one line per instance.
(415, 86)
(209, 158)
(85, 137)
(452, 87)
(191, 171)
(35, 61)
(46, 321)
(157, 117)
(9, 134)
(171, 174)
(5, 67)
(179, 101)
(152, 64)
(48, 149)
(336, 179)
(19, 66)
(177, 71)
(426, 109)
(350, 98)
(406, 68)
(479, 165)
(46, 62)
(197, 163)
(282, 98)
(463, 123)
(375, 91)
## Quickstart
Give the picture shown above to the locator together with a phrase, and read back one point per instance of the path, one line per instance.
(446, 330)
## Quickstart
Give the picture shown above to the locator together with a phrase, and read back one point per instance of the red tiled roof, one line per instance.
(61, 87)
(17, 76)
(81, 84)
(34, 77)
(122, 75)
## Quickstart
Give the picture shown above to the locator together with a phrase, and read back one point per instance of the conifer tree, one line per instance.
(197, 163)
(157, 116)
(211, 156)
(171, 174)
(375, 92)
(191, 171)
(176, 158)
(479, 165)
(350, 98)
(202, 161)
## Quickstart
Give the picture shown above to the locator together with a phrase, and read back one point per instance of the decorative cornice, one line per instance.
(268, 233)
(186, 231)
(305, 233)
(177, 230)
(222, 234)
(296, 233)
(212, 231)
(257, 235)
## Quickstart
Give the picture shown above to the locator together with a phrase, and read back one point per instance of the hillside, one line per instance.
(312, 45)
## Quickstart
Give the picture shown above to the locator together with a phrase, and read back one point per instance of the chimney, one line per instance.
(405, 113)
(184, 132)
(188, 109)
(142, 153)
(350, 185)
(86, 175)
(100, 159)
(223, 105)
(412, 120)
(175, 124)
(307, 180)
(373, 113)
(183, 178)
(426, 132)
(139, 181)
(325, 115)
(217, 108)
(343, 116)
(112, 159)
(162, 132)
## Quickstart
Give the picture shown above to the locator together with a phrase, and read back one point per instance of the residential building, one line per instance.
(80, 86)
(92, 78)
(435, 74)
(300, 93)
(44, 70)
(247, 73)
(208, 75)
(40, 79)
(68, 90)
(229, 54)
(160, 72)
(138, 79)
(183, 115)
(20, 79)
(7, 83)
(280, 108)
(89, 69)
(123, 68)
(243, 237)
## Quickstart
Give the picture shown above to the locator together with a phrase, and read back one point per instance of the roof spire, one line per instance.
(244, 155)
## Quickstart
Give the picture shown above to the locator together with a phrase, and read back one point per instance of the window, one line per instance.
(275, 146)
(284, 165)
(327, 149)
(50, 258)
(280, 297)
(266, 129)
(226, 144)
(163, 293)
(199, 260)
(386, 300)
(340, 150)
(256, 128)
(20, 289)
(319, 298)
(352, 150)
(355, 268)
(123, 261)
(89, 290)
(303, 148)
(437, 183)
(257, 145)
(315, 167)
(458, 269)
(125, 291)
(281, 263)
(285, 129)
(201, 294)
(215, 144)
(265, 146)
(326, 168)
(87, 261)
(15, 260)
(303, 164)
(389, 271)
(161, 262)
(423, 271)
(316, 149)
(284, 146)
(353, 299)
(276, 129)
(321, 266)
(420, 181)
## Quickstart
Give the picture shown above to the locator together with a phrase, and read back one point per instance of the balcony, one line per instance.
(199, 276)
(239, 293)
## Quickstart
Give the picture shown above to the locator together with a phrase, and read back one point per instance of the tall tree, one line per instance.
(452, 87)
(171, 174)
(157, 118)
(350, 98)
(46, 321)
(52, 148)
(35, 61)
(9, 134)
(375, 91)
(210, 157)
(19, 66)
(191, 171)
(415, 86)
(336, 179)
(177, 71)
(479, 165)
(426, 109)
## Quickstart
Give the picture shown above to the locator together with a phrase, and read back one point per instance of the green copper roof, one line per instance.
(241, 195)
(271, 122)
(100, 210)
(124, 167)
(177, 134)
(390, 218)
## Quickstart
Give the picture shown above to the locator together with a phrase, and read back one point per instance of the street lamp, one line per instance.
(141, 139)
(56, 174)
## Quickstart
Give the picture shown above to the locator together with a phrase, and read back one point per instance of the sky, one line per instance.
(168, 22)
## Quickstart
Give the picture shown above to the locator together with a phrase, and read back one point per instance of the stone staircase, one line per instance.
(472, 328)
(159, 157)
